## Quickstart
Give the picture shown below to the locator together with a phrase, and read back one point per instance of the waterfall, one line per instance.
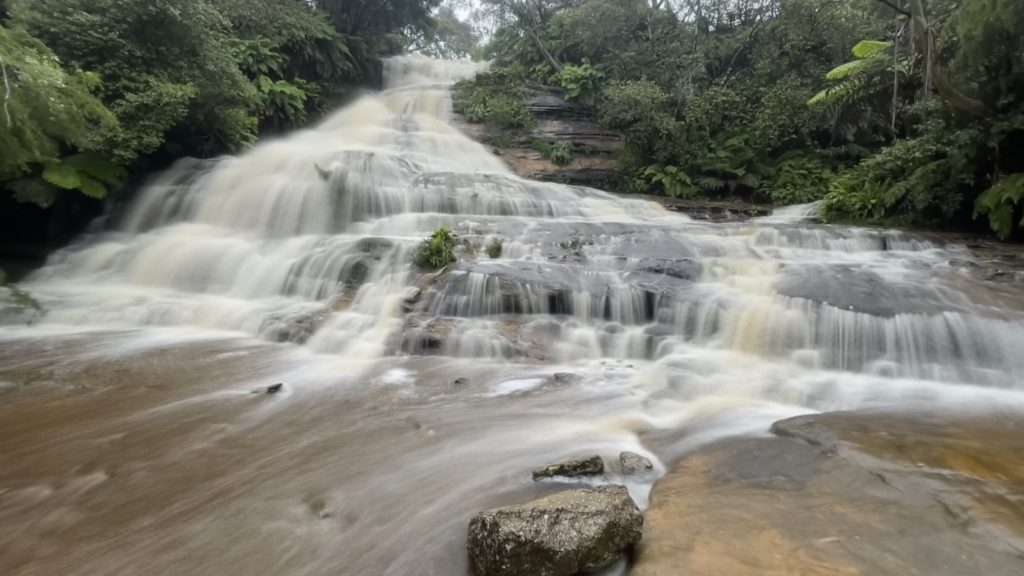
(309, 238)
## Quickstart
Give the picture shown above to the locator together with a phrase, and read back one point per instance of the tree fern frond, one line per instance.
(854, 67)
(870, 48)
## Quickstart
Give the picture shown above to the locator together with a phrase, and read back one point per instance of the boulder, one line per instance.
(633, 463)
(560, 535)
(591, 466)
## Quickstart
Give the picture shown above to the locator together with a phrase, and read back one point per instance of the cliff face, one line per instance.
(595, 161)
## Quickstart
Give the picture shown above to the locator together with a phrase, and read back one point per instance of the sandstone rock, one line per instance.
(560, 535)
(633, 463)
(886, 494)
(591, 466)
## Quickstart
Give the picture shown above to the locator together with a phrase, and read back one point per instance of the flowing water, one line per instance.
(131, 440)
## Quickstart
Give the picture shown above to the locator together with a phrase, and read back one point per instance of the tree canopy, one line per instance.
(92, 95)
(900, 110)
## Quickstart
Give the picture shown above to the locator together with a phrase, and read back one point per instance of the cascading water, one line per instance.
(672, 333)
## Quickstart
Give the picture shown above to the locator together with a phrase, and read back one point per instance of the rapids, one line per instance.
(131, 442)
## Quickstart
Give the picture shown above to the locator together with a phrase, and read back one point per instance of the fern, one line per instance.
(1000, 204)
(870, 48)
(673, 181)
(871, 59)
(852, 68)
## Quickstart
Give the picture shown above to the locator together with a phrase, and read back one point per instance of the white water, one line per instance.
(677, 332)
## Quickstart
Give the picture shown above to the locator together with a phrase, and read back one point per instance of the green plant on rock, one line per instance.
(582, 83)
(495, 99)
(438, 251)
(559, 153)
(495, 248)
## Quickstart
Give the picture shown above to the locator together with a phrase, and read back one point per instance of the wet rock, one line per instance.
(633, 463)
(560, 535)
(566, 377)
(856, 289)
(461, 382)
(842, 494)
(682, 269)
(275, 388)
(592, 466)
(426, 338)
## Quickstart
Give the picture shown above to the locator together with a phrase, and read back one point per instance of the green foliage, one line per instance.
(559, 153)
(176, 88)
(20, 298)
(103, 88)
(438, 251)
(922, 181)
(857, 76)
(495, 249)
(447, 36)
(671, 180)
(89, 173)
(581, 83)
(50, 110)
(1002, 204)
(495, 99)
(798, 178)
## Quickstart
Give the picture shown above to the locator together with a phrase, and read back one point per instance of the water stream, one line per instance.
(131, 440)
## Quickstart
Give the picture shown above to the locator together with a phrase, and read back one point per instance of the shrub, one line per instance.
(798, 179)
(437, 251)
(495, 248)
(560, 153)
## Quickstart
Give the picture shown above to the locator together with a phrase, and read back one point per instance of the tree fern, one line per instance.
(1001, 204)
(871, 48)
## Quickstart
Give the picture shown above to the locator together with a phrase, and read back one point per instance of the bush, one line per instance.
(924, 181)
(495, 99)
(437, 251)
(560, 153)
(798, 178)
(495, 249)
(581, 83)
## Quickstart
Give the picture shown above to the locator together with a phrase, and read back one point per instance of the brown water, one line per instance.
(131, 440)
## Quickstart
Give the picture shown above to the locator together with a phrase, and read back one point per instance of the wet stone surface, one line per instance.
(561, 535)
(846, 493)
(591, 466)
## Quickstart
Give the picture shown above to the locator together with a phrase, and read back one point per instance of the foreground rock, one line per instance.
(560, 535)
(592, 466)
(846, 494)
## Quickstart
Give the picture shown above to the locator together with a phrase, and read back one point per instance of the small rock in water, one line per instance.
(560, 535)
(275, 388)
(566, 377)
(591, 466)
(461, 381)
(633, 463)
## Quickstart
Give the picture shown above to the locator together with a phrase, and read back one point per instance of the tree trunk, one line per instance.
(936, 75)
(540, 46)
